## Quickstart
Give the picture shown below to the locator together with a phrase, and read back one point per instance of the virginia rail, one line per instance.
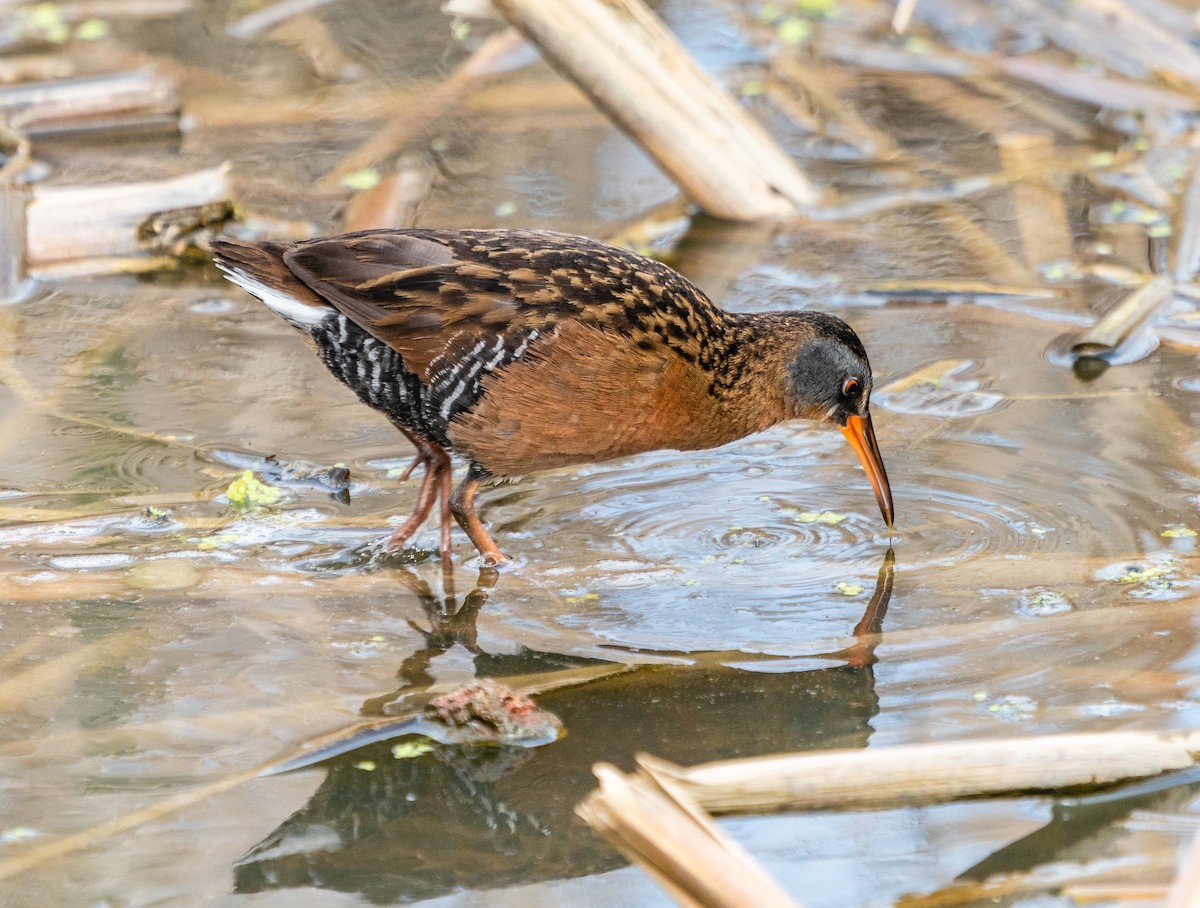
(525, 349)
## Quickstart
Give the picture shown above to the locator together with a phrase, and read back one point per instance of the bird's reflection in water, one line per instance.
(482, 817)
(450, 624)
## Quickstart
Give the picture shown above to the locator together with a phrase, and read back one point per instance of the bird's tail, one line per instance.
(261, 270)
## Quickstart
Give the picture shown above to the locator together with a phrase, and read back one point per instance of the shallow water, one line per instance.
(147, 653)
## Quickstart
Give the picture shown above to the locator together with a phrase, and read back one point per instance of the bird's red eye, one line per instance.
(851, 387)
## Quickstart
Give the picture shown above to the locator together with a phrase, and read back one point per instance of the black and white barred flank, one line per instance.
(377, 373)
(456, 374)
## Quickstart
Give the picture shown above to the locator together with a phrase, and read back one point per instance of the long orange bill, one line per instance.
(861, 434)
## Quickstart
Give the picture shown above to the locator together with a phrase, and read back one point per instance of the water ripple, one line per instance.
(100, 458)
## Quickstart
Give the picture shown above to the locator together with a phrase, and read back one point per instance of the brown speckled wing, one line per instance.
(431, 293)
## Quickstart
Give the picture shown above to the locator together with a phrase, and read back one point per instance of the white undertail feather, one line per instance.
(302, 315)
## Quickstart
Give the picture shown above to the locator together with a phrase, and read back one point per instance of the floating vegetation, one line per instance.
(1038, 603)
(248, 492)
(487, 710)
(151, 518)
(1157, 578)
(407, 750)
(1013, 708)
(830, 517)
(1137, 574)
(366, 178)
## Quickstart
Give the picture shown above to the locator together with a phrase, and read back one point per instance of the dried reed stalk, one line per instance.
(394, 201)
(138, 97)
(72, 222)
(14, 196)
(1185, 891)
(1137, 35)
(927, 773)
(270, 16)
(1103, 91)
(1187, 250)
(903, 15)
(1120, 322)
(670, 837)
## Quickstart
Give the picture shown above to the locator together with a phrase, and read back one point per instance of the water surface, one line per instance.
(1044, 550)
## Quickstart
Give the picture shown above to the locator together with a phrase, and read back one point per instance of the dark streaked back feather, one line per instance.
(417, 290)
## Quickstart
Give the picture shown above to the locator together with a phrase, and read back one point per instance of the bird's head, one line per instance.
(829, 379)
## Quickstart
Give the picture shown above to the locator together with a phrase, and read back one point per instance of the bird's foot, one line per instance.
(494, 557)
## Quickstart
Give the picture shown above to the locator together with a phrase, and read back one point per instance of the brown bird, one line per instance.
(522, 350)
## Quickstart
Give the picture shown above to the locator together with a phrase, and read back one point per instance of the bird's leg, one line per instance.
(436, 461)
(425, 499)
(462, 505)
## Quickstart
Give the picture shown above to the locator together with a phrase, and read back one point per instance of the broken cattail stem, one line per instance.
(631, 65)
(1185, 891)
(1160, 51)
(804, 80)
(57, 106)
(657, 230)
(72, 222)
(1103, 91)
(1187, 251)
(1120, 322)
(14, 196)
(927, 773)
(312, 37)
(35, 68)
(902, 18)
(668, 836)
